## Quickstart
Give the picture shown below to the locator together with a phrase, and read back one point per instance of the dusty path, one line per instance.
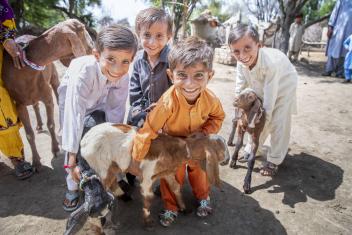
(310, 195)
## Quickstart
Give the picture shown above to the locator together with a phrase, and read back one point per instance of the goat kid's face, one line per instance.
(245, 100)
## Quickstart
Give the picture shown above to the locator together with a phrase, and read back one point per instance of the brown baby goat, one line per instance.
(249, 117)
(107, 149)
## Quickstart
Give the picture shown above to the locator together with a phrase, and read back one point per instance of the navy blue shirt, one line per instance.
(147, 84)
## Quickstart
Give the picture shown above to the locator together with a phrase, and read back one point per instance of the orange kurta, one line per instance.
(174, 116)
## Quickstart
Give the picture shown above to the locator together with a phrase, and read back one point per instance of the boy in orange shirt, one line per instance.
(187, 108)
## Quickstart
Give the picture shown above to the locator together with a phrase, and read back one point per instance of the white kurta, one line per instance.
(296, 34)
(83, 90)
(274, 79)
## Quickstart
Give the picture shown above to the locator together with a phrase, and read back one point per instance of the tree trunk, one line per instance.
(288, 19)
(184, 18)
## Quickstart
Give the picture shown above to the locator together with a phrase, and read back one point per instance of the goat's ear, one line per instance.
(76, 44)
(212, 168)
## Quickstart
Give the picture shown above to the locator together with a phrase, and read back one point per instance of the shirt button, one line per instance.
(152, 73)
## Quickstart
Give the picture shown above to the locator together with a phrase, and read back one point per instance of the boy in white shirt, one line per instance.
(274, 79)
(94, 90)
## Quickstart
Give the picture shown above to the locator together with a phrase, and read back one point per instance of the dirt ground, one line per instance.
(310, 195)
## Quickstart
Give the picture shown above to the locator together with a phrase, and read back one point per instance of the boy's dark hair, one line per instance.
(189, 52)
(116, 37)
(299, 15)
(240, 31)
(149, 16)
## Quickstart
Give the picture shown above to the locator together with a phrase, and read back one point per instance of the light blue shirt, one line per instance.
(348, 46)
(341, 21)
(83, 90)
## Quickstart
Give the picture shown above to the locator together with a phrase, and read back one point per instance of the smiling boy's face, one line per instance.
(190, 81)
(154, 38)
(245, 50)
(114, 63)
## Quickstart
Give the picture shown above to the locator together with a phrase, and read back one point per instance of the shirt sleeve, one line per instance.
(156, 119)
(241, 82)
(216, 117)
(78, 89)
(116, 101)
(270, 90)
(334, 14)
(135, 88)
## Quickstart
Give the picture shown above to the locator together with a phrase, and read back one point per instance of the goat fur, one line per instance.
(107, 149)
(250, 117)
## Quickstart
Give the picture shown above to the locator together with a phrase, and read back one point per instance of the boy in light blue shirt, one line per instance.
(348, 59)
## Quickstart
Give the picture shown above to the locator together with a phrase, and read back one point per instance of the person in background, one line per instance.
(348, 59)
(295, 42)
(340, 27)
(11, 144)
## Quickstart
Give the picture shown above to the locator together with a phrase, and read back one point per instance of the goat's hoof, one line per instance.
(37, 165)
(149, 224)
(233, 164)
(39, 129)
(225, 162)
(230, 144)
(186, 211)
(247, 189)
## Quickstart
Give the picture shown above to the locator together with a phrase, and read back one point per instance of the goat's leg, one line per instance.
(55, 83)
(146, 190)
(239, 144)
(175, 187)
(250, 165)
(232, 134)
(24, 117)
(39, 127)
(49, 106)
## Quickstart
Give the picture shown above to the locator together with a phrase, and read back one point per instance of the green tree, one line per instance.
(45, 13)
(216, 8)
(181, 11)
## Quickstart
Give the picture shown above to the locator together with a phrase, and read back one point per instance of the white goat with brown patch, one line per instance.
(107, 149)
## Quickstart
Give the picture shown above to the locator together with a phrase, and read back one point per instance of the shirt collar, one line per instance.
(183, 100)
(163, 54)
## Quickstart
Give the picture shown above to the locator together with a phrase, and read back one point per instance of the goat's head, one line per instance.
(245, 99)
(74, 33)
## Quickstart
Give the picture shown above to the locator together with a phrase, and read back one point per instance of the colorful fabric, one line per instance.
(197, 178)
(176, 117)
(10, 140)
(7, 22)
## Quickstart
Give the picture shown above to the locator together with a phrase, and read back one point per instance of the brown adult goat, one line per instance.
(250, 117)
(27, 86)
(107, 149)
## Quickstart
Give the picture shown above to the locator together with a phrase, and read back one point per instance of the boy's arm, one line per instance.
(156, 119)
(271, 90)
(77, 94)
(116, 101)
(215, 119)
(241, 82)
(135, 89)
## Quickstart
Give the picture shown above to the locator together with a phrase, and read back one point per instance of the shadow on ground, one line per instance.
(302, 176)
(41, 195)
(234, 213)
